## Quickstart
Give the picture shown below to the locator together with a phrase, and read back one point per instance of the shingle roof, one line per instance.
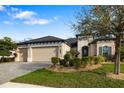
(72, 42)
(101, 39)
(43, 40)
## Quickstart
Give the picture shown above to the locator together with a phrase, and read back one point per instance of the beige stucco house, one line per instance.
(42, 49)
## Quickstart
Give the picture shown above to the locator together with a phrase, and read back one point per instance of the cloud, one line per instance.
(13, 9)
(57, 17)
(7, 22)
(24, 15)
(37, 22)
(2, 8)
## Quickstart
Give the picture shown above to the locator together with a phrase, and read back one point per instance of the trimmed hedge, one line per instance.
(63, 62)
(55, 60)
(99, 59)
(7, 59)
(91, 60)
(77, 62)
(85, 61)
(67, 57)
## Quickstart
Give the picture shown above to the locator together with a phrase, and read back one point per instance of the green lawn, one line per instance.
(96, 78)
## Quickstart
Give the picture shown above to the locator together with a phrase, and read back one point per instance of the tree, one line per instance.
(103, 22)
(122, 52)
(6, 44)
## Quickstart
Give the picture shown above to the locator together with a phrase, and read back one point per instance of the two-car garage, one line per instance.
(38, 53)
(41, 49)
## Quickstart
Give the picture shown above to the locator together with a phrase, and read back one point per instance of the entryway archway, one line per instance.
(84, 51)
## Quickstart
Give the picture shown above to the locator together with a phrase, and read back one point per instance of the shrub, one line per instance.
(67, 57)
(99, 59)
(73, 53)
(9, 59)
(71, 62)
(85, 61)
(3, 59)
(77, 62)
(91, 60)
(55, 60)
(63, 62)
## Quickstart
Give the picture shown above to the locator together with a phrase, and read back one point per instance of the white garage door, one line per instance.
(44, 53)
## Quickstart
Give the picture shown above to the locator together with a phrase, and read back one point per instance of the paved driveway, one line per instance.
(9, 71)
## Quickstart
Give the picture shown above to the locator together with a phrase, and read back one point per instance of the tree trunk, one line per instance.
(117, 54)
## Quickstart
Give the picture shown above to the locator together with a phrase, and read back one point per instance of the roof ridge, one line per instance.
(45, 39)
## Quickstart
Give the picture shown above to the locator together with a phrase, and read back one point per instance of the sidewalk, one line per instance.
(20, 85)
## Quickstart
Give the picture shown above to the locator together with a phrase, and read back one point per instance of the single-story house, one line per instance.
(42, 49)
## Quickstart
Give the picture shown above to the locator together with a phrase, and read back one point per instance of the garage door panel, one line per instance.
(44, 53)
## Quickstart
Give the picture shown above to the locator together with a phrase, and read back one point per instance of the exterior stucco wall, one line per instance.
(21, 54)
(92, 50)
(109, 43)
(64, 49)
(82, 41)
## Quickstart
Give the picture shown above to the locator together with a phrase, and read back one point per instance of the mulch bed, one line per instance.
(72, 69)
(114, 76)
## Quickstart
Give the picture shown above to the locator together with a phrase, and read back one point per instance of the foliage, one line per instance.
(91, 60)
(85, 61)
(63, 62)
(102, 22)
(3, 59)
(122, 52)
(73, 53)
(55, 60)
(99, 59)
(77, 62)
(71, 62)
(67, 56)
(4, 53)
(6, 44)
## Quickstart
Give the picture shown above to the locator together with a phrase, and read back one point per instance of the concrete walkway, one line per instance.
(9, 71)
(20, 85)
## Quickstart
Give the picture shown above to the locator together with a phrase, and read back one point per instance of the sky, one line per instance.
(28, 22)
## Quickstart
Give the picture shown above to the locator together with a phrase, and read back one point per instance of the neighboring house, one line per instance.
(41, 49)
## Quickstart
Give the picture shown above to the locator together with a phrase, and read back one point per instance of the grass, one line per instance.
(94, 79)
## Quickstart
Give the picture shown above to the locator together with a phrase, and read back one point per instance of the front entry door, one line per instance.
(84, 51)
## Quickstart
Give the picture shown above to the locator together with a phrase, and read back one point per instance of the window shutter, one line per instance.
(100, 50)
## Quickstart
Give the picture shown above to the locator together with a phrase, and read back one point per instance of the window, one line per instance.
(105, 51)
